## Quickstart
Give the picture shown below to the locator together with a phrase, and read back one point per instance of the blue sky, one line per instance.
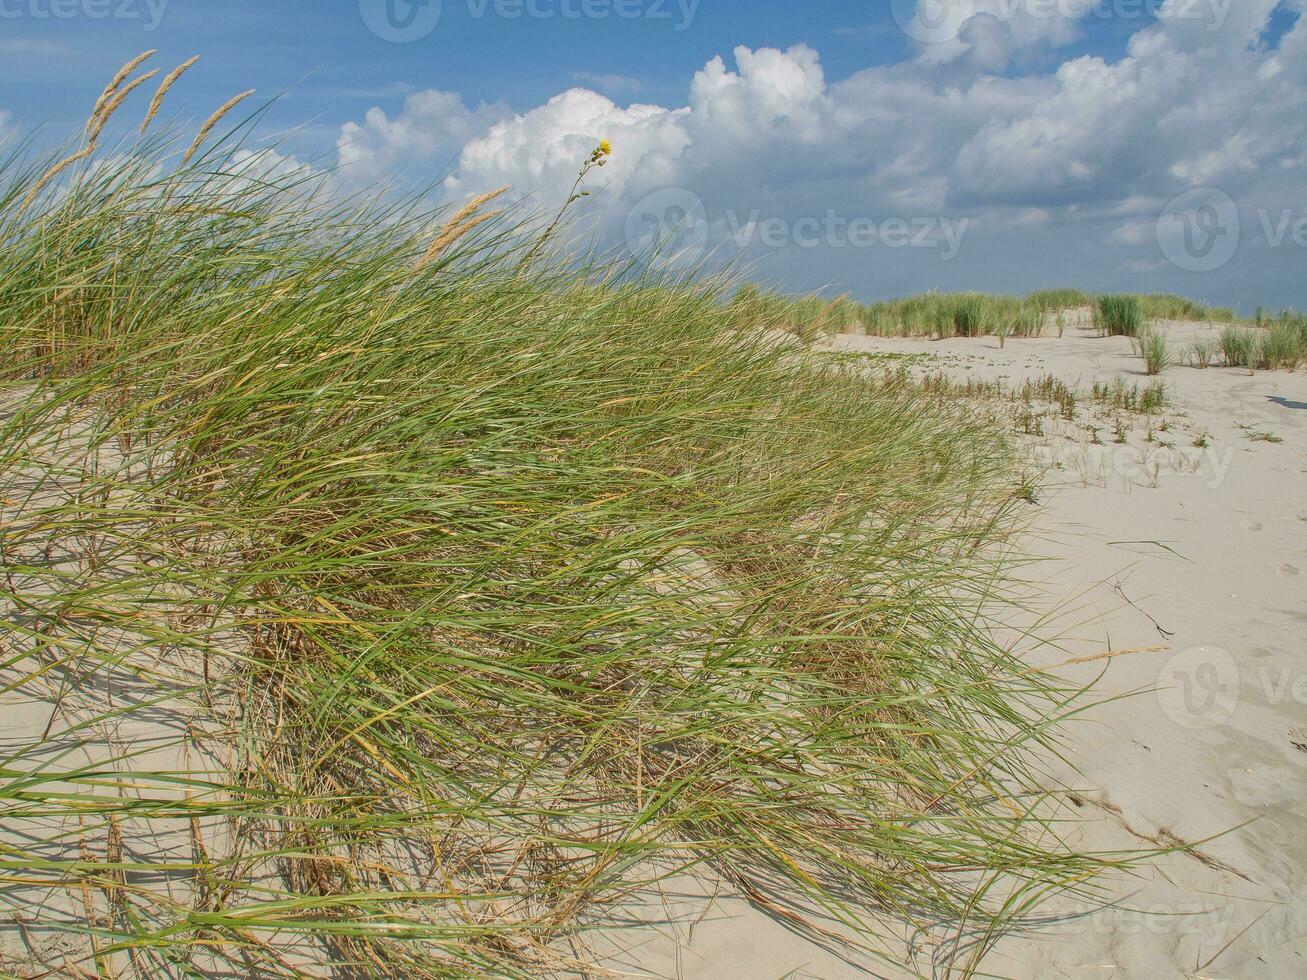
(1016, 144)
(333, 66)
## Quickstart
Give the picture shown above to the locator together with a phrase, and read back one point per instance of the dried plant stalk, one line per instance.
(213, 120)
(450, 235)
(117, 80)
(459, 225)
(54, 172)
(474, 205)
(171, 79)
(112, 106)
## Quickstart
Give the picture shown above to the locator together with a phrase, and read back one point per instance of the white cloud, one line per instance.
(1100, 142)
(427, 133)
(988, 33)
(1134, 233)
(611, 84)
(268, 165)
(541, 150)
(27, 47)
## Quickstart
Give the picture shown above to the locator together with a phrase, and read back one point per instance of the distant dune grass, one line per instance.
(940, 315)
(1119, 316)
(511, 581)
(1276, 343)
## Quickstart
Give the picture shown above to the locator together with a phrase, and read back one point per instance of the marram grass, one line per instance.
(941, 315)
(473, 600)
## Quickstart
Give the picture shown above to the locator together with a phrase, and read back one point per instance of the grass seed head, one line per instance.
(112, 106)
(171, 79)
(117, 80)
(213, 120)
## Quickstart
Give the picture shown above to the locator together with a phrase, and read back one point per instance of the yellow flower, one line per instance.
(605, 148)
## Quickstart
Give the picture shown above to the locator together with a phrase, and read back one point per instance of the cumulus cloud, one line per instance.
(269, 166)
(540, 150)
(611, 84)
(429, 130)
(988, 33)
(945, 133)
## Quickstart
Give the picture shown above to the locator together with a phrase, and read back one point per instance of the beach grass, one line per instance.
(1119, 315)
(973, 314)
(1156, 351)
(501, 584)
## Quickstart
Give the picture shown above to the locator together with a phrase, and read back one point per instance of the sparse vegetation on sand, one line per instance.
(1155, 349)
(960, 315)
(1239, 346)
(1278, 343)
(1166, 306)
(1202, 353)
(940, 315)
(498, 585)
(1283, 346)
(1119, 316)
(1148, 400)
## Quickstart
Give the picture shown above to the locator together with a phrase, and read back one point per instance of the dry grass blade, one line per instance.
(451, 234)
(113, 105)
(458, 226)
(213, 120)
(117, 80)
(169, 81)
(54, 172)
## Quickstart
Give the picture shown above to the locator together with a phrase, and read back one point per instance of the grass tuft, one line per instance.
(1239, 347)
(494, 590)
(1119, 316)
(1155, 349)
